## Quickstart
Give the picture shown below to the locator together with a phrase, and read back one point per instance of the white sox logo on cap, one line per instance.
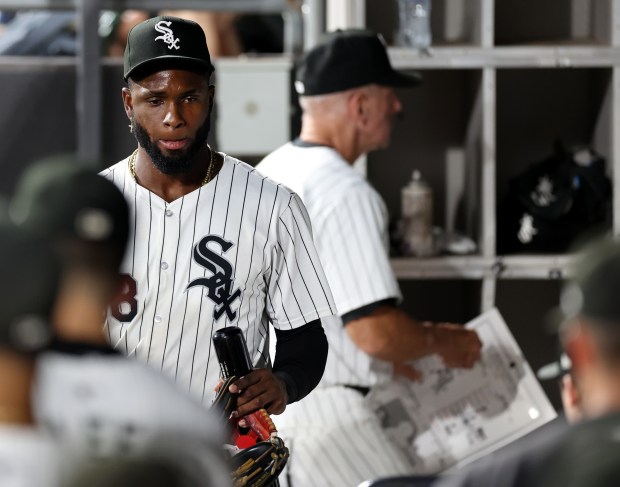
(168, 36)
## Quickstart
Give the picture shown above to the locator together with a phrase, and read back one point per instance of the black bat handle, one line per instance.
(232, 352)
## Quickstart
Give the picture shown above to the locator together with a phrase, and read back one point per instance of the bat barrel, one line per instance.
(232, 352)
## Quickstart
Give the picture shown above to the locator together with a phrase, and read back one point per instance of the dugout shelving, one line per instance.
(562, 79)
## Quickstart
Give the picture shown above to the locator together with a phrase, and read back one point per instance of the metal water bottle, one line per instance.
(232, 352)
(417, 215)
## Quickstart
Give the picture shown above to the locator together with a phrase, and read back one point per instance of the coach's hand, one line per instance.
(457, 346)
(260, 389)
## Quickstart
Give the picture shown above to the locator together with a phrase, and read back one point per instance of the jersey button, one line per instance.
(169, 213)
(164, 265)
(157, 319)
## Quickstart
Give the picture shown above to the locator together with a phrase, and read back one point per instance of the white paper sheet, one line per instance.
(454, 416)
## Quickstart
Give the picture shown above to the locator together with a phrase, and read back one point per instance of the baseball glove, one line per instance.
(262, 454)
(259, 465)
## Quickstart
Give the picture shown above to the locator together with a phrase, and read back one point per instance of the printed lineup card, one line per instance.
(454, 416)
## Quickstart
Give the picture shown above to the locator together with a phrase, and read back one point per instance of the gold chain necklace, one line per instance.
(208, 177)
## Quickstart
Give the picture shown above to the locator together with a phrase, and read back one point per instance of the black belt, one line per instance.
(361, 389)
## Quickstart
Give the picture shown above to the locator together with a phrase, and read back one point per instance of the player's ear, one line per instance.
(127, 102)
(211, 96)
(579, 343)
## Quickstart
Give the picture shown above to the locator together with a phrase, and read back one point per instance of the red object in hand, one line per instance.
(260, 422)
(244, 441)
(256, 426)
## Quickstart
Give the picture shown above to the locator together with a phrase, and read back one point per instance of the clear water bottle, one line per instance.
(417, 217)
(414, 18)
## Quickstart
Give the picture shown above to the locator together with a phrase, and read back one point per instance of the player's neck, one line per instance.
(80, 308)
(171, 187)
(16, 377)
(341, 139)
(600, 394)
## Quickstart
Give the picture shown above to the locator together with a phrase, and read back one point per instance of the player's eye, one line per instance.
(154, 101)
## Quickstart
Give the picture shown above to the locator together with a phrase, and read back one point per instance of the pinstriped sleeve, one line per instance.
(352, 239)
(298, 289)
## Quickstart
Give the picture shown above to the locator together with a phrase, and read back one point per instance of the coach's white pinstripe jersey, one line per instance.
(237, 251)
(350, 223)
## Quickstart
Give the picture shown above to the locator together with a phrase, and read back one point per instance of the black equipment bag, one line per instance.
(555, 201)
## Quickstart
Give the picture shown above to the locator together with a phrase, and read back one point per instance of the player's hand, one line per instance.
(456, 345)
(259, 389)
(406, 370)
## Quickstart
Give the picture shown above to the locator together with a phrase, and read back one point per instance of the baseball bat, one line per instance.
(232, 352)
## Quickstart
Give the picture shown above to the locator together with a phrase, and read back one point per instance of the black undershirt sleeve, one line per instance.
(301, 354)
(367, 310)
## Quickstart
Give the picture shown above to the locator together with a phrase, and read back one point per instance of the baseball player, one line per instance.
(29, 457)
(347, 95)
(98, 403)
(213, 243)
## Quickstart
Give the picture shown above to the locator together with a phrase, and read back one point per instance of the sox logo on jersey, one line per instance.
(220, 283)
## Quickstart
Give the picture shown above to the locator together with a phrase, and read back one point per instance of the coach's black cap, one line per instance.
(30, 274)
(348, 59)
(62, 199)
(169, 39)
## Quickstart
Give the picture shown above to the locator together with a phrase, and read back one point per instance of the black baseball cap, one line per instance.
(166, 39)
(30, 275)
(61, 199)
(592, 292)
(348, 59)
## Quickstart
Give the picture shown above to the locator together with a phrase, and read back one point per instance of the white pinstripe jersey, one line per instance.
(237, 251)
(89, 403)
(29, 457)
(350, 223)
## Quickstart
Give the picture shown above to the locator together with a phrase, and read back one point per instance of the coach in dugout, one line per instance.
(213, 243)
(347, 94)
